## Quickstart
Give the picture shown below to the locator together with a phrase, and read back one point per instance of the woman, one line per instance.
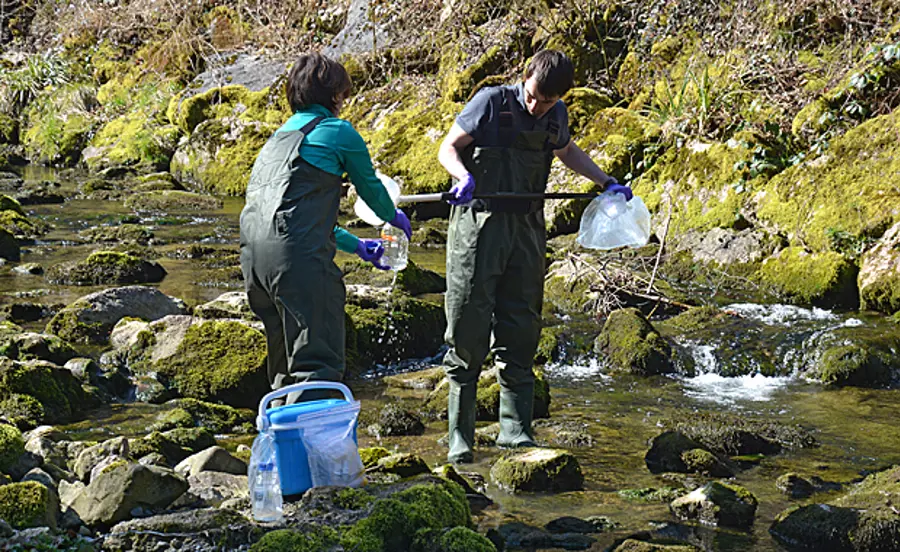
(288, 226)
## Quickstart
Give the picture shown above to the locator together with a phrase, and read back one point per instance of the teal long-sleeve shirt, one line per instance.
(335, 147)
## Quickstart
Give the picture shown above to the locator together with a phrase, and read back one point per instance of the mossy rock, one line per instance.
(172, 200)
(538, 470)
(463, 539)
(371, 455)
(175, 445)
(737, 435)
(27, 504)
(56, 389)
(565, 342)
(857, 366)
(11, 447)
(124, 233)
(672, 451)
(138, 139)
(822, 279)
(401, 464)
(718, 504)
(9, 129)
(316, 538)
(217, 418)
(459, 83)
(106, 268)
(59, 124)
(631, 344)
(21, 226)
(188, 110)
(10, 204)
(845, 190)
(222, 361)
(410, 518)
(219, 155)
(696, 319)
(9, 246)
(582, 105)
(879, 274)
(665, 494)
(634, 545)
(413, 279)
(25, 411)
(35, 346)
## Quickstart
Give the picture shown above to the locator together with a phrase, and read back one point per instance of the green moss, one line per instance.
(178, 417)
(853, 365)
(56, 389)
(824, 279)
(463, 539)
(9, 129)
(176, 444)
(18, 224)
(10, 204)
(267, 105)
(135, 139)
(696, 319)
(25, 411)
(404, 465)
(313, 539)
(633, 345)
(217, 418)
(172, 200)
(59, 125)
(221, 361)
(882, 294)
(106, 267)
(702, 461)
(458, 86)
(538, 470)
(406, 519)
(844, 190)
(371, 455)
(126, 233)
(68, 324)
(665, 494)
(352, 499)
(11, 446)
(582, 105)
(26, 504)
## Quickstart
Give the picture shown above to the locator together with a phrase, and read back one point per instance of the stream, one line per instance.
(856, 428)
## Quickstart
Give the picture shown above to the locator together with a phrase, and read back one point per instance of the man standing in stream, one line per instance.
(503, 141)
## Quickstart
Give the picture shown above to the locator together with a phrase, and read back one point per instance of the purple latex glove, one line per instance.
(400, 221)
(371, 252)
(612, 185)
(463, 190)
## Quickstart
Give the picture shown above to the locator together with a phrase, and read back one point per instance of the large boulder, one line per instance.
(879, 274)
(826, 279)
(632, 344)
(123, 488)
(92, 456)
(91, 318)
(203, 529)
(37, 391)
(538, 470)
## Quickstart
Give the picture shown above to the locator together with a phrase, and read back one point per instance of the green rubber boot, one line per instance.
(516, 405)
(461, 422)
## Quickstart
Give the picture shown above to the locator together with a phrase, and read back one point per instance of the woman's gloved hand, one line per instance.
(463, 190)
(400, 221)
(612, 185)
(371, 252)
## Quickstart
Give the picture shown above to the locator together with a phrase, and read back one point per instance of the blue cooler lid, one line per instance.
(288, 413)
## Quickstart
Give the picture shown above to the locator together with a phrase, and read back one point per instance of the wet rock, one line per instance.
(538, 470)
(414, 279)
(478, 501)
(92, 317)
(214, 459)
(217, 418)
(864, 519)
(106, 268)
(175, 444)
(401, 464)
(633, 545)
(520, 535)
(672, 451)
(5, 530)
(46, 392)
(631, 344)
(44, 192)
(206, 529)
(24, 464)
(12, 446)
(420, 379)
(879, 274)
(9, 246)
(717, 504)
(28, 504)
(23, 312)
(33, 269)
(121, 488)
(40, 476)
(797, 486)
(94, 455)
(564, 433)
(570, 524)
(123, 233)
(233, 304)
(212, 488)
(825, 280)
(30, 346)
(393, 420)
(649, 494)
(733, 435)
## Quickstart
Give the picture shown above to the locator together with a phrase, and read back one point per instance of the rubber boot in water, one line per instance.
(461, 422)
(516, 407)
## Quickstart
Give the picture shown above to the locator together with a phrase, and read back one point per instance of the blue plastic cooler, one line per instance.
(290, 423)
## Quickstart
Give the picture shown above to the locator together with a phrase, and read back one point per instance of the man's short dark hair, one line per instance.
(316, 79)
(553, 72)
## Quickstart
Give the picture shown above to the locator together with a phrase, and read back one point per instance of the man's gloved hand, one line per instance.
(463, 190)
(612, 185)
(400, 221)
(371, 252)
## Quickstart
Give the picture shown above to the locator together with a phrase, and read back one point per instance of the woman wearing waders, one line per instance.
(503, 141)
(289, 232)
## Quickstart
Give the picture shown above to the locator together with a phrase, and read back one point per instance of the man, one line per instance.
(503, 141)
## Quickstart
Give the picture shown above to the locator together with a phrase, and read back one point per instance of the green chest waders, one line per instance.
(495, 288)
(287, 259)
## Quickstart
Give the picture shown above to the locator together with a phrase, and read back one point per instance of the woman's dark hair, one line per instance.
(552, 71)
(316, 79)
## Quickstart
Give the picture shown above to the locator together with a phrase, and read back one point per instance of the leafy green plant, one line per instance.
(41, 70)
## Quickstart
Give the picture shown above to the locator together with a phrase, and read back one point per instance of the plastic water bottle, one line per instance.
(396, 247)
(265, 492)
(612, 204)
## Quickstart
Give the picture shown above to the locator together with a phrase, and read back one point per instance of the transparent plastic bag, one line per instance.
(262, 476)
(332, 451)
(628, 227)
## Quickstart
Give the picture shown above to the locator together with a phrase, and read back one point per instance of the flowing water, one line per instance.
(857, 428)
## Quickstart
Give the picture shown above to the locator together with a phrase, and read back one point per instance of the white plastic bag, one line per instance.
(630, 227)
(365, 212)
(331, 449)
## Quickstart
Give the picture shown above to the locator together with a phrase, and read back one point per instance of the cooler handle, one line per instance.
(262, 420)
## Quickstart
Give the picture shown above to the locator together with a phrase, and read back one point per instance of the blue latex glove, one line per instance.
(371, 252)
(463, 190)
(613, 186)
(400, 221)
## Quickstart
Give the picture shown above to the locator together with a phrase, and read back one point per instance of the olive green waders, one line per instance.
(287, 259)
(495, 289)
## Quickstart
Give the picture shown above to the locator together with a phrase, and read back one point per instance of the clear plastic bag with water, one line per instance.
(331, 448)
(262, 475)
(610, 222)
